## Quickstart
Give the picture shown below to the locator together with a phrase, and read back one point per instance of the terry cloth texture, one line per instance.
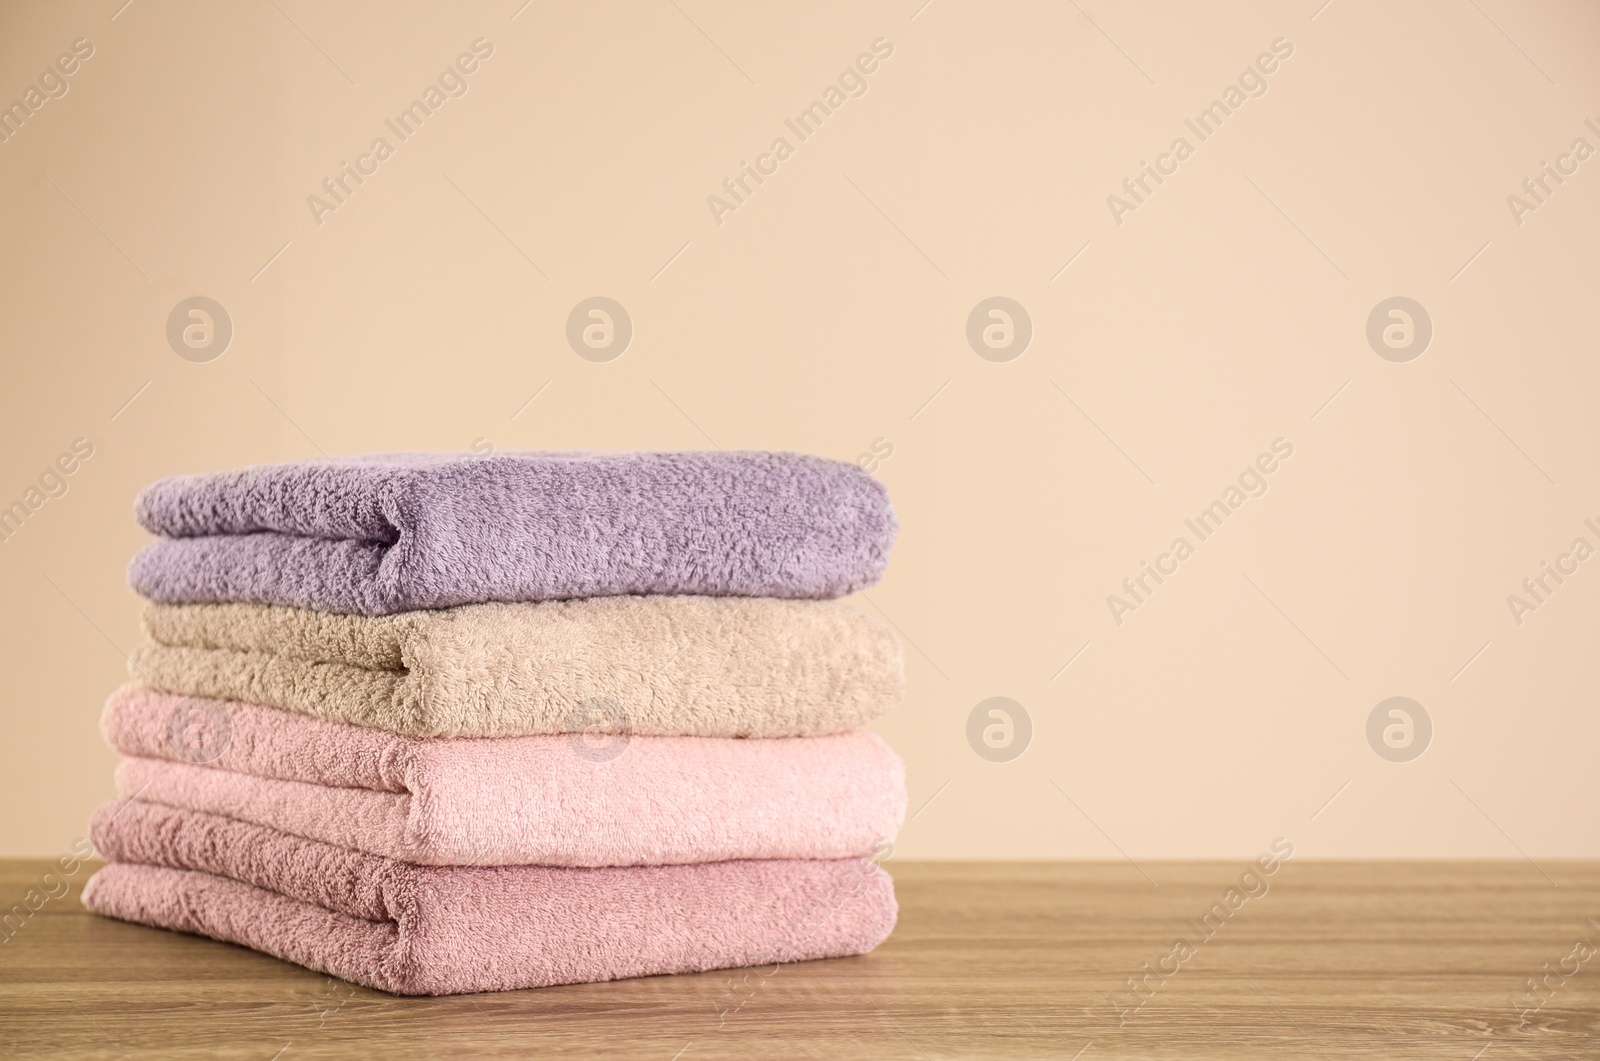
(426, 930)
(373, 535)
(545, 800)
(667, 666)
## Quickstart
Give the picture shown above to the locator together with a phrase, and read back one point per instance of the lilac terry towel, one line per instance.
(546, 800)
(429, 930)
(391, 533)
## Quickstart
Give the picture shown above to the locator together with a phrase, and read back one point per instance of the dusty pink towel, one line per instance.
(429, 930)
(546, 800)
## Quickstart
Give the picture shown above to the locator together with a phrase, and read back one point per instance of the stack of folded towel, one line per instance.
(442, 724)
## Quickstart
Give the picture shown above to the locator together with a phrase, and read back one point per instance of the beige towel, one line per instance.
(653, 666)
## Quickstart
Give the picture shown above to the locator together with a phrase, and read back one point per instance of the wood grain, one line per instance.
(1336, 960)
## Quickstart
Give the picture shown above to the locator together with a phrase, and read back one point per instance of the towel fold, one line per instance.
(427, 930)
(664, 665)
(373, 535)
(546, 800)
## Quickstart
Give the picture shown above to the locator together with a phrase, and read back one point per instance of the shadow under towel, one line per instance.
(389, 533)
(429, 930)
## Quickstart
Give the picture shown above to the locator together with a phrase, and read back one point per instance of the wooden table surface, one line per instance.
(1335, 960)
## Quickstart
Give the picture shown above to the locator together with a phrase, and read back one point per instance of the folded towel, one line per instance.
(670, 666)
(545, 800)
(390, 533)
(427, 930)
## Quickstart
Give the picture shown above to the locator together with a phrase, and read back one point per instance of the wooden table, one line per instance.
(1336, 960)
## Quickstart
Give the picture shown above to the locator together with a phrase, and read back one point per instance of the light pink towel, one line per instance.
(428, 930)
(547, 800)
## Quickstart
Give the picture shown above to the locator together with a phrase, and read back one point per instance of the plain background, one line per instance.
(829, 312)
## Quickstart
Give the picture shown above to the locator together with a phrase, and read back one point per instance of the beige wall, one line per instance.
(829, 311)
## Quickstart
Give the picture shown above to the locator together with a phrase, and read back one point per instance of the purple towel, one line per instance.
(388, 533)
